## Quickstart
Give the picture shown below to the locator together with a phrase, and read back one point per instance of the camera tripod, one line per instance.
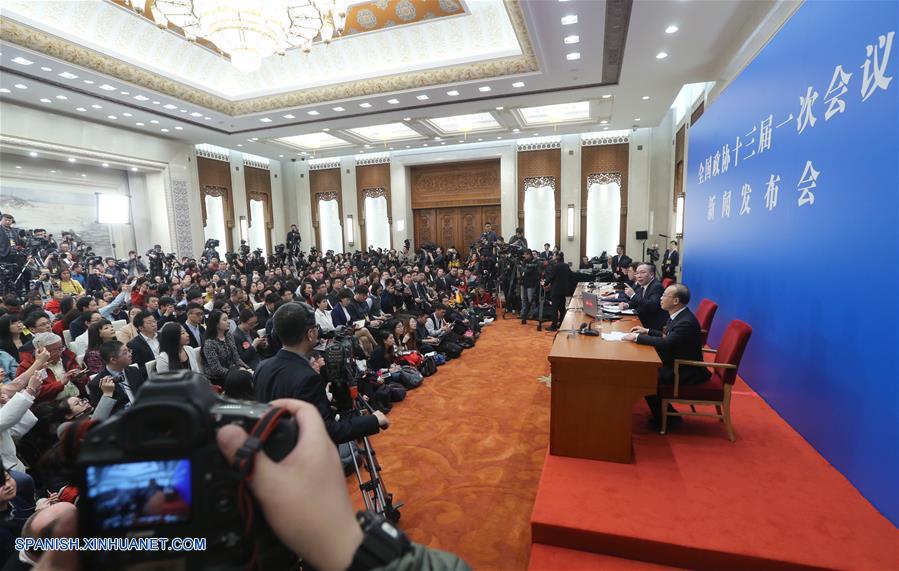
(374, 491)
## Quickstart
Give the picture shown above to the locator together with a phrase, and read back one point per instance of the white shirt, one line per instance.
(153, 342)
(676, 313)
(323, 320)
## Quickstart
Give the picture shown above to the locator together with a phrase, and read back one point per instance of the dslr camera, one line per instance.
(155, 471)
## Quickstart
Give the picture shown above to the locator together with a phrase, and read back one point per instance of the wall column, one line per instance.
(401, 205)
(508, 194)
(279, 210)
(570, 194)
(349, 200)
(238, 196)
(638, 191)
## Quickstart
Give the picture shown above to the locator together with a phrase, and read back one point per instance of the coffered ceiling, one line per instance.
(482, 69)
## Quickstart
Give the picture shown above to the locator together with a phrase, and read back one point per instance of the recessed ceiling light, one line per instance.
(139, 124)
(500, 108)
(671, 29)
(480, 139)
(89, 81)
(443, 143)
(607, 96)
(124, 93)
(45, 100)
(141, 98)
(107, 87)
(280, 157)
(326, 129)
(133, 169)
(516, 130)
(18, 167)
(208, 118)
(573, 56)
(367, 146)
(645, 98)
(407, 146)
(266, 120)
(45, 68)
(104, 165)
(84, 175)
(338, 109)
(407, 118)
(196, 114)
(156, 103)
(3, 90)
(462, 141)
(484, 88)
(313, 113)
(239, 144)
(53, 171)
(179, 128)
(393, 101)
(68, 75)
(569, 19)
(154, 121)
(661, 55)
(391, 148)
(498, 138)
(288, 116)
(164, 130)
(169, 106)
(32, 154)
(71, 159)
(20, 86)
(452, 93)
(127, 115)
(422, 97)
(81, 109)
(518, 84)
(436, 138)
(605, 128)
(95, 106)
(111, 117)
(365, 105)
(22, 61)
(572, 39)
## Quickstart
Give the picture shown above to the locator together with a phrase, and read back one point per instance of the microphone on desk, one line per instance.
(585, 330)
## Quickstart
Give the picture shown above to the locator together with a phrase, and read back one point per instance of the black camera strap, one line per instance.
(245, 457)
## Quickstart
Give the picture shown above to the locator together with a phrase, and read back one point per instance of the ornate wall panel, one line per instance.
(425, 222)
(372, 180)
(324, 185)
(474, 183)
(215, 180)
(537, 164)
(456, 227)
(604, 160)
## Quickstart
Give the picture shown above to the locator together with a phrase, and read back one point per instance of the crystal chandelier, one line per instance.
(250, 30)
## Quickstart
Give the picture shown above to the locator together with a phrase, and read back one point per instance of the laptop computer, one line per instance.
(590, 303)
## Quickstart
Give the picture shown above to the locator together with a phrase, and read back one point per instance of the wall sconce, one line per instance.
(244, 228)
(350, 237)
(571, 221)
(400, 225)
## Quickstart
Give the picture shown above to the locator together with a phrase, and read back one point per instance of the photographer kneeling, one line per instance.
(289, 374)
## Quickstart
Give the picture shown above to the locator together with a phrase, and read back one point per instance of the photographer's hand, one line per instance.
(304, 496)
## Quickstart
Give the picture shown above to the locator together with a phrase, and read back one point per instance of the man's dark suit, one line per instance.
(141, 353)
(339, 317)
(669, 263)
(648, 303)
(262, 316)
(442, 284)
(132, 376)
(680, 339)
(561, 280)
(288, 375)
(618, 261)
(194, 342)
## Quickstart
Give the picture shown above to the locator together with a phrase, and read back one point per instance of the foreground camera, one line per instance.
(156, 471)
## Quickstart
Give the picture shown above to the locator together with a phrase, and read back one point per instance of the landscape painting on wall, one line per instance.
(57, 211)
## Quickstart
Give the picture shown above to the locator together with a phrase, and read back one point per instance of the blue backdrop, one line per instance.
(791, 226)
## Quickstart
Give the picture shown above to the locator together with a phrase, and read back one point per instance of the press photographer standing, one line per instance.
(8, 238)
(530, 278)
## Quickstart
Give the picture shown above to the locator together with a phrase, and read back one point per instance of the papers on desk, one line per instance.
(616, 309)
(614, 335)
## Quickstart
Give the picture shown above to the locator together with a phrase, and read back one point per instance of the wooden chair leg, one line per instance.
(721, 414)
(664, 416)
(727, 422)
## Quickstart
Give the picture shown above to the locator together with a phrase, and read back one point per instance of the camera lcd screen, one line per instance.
(137, 494)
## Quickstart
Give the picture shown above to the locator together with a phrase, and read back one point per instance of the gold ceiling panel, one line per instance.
(76, 54)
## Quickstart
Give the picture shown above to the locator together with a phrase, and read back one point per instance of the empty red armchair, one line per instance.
(705, 314)
(717, 390)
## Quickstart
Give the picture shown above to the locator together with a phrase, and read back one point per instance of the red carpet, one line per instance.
(693, 499)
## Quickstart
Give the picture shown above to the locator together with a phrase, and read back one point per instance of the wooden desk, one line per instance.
(595, 384)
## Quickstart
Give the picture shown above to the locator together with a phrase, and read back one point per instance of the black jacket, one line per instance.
(194, 342)
(681, 339)
(134, 378)
(648, 303)
(669, 263)
(562, 280)
(288, 375)
(141, 353)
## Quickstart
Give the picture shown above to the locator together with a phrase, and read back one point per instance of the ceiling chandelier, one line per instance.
(251, 30)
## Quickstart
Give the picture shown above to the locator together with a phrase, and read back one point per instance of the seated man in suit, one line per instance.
(127, 379)
(646, 300)
(193, 323)
(680, 338)
(145, 346)
(267, 309)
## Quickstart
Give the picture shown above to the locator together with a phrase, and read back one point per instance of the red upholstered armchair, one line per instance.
(716, 391)
(667, 282)
(705, 313)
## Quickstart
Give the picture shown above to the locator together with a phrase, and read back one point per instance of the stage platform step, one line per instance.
(550, 558)
(693, 499)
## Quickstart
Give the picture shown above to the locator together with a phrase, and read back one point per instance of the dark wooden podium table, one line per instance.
(595, 384)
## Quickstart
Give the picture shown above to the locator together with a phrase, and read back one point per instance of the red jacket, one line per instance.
(53, 386)
(137, 299)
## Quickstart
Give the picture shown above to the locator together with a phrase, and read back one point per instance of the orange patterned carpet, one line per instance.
(464, 451)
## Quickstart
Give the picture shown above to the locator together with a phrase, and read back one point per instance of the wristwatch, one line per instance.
(383, 543)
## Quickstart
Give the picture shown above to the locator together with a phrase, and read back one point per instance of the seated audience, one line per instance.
(246, 339)
(145, 346)
(98, 333)
(63, 374)
(173, 355)
(219, 352)
(193, 323)
(12, 335)
(118, 369)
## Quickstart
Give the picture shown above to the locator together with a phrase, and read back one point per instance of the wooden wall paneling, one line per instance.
(259, 187)
(369, 178)
(471, 224)
(600, 159)
(425, 226)
(492, 215)
(215, 180)
(326, 184)
(471, 183)
(535, 164)
(448, 227)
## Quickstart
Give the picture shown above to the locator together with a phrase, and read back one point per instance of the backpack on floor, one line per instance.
(428, 367)
(410, 377)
